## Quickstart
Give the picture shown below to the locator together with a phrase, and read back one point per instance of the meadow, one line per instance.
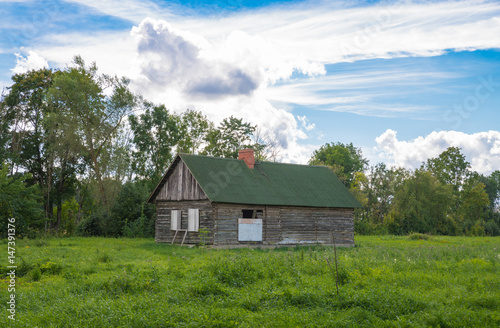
(385, 281)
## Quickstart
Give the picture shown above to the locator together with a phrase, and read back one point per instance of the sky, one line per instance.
(402, 80)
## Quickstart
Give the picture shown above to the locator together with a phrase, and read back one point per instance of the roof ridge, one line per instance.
(208, 156)
(297, 164)
(256, 162)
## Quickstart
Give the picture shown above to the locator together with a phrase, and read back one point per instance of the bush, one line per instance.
(89, 226)
(104, 258)
(364, 227)
(129, 215)
(19, 202)
(36, 274)
(419, 236)
(476, 230)
(492, 228)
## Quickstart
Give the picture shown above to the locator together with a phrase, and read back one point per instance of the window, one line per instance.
(247, 214)
(251, 214)
(175, 220)
(193, 219)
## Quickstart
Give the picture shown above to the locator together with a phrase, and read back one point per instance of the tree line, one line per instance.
(443, 196)
(80, 154)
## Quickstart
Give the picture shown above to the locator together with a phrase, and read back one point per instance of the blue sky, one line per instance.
(403, 80)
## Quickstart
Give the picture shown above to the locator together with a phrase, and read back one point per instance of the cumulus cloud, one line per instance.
(170, 58)
(221, 78)
(31, 62)
(481, 149)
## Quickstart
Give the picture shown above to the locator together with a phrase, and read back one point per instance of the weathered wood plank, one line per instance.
(181, 185)
(163, 232)
(281, 225)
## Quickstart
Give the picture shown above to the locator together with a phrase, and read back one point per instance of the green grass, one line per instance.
(383, 282)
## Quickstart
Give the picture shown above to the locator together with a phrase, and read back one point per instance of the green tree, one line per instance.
(63, 155)
(450, 167)
(155, 134)
(193, 131)
(422, 205)
(25, 107)
(19, 202)
(344, 159)
(474, 203)
(382, 186)
(228, 138)
(23, 129)
(128, 209)
(492, 188)
(92, 115)
(69, 214)
(6, 119)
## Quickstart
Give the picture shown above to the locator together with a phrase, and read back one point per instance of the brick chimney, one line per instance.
(248, 156)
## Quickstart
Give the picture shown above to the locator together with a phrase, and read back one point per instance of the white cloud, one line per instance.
(170, 58)
(305, 124)
(363, 91)
(236, 64)
(114, 52)
(32, 61)
(221, 78)
(132, 10)
(327, 32)
(481, 149)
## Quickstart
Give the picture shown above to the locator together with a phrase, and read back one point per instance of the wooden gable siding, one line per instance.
(163, 234)
(181, 185)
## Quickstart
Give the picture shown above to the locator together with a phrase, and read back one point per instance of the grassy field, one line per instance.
(383, 282)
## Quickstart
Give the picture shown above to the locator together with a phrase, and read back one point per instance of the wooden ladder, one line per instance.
(183, 238)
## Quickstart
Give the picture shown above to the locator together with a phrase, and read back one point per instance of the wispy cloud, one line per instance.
(326, 33)
(132, 10)
(367, 92)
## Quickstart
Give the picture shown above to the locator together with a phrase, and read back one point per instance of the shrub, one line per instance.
(130, 216)
(40, 243)
(36, 274)
(492, 228)
(51, 268)
(104, 258)
(418, 236)
(89, 226)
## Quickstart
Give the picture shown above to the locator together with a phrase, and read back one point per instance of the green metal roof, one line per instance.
(227, 180)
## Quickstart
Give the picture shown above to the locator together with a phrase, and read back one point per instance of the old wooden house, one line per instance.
(230, 202)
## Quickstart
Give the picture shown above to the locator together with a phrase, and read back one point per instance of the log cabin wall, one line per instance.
(316, 225)
(181, 192)
(226, 223)
(286, 225)
(164, 209)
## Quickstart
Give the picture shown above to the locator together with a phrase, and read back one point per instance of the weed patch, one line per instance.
(419, 236)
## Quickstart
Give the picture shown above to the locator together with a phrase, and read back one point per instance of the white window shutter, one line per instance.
(197, 220)
(174, 220)
(193, 219)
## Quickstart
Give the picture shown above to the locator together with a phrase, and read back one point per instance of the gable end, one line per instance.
(178, 184)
